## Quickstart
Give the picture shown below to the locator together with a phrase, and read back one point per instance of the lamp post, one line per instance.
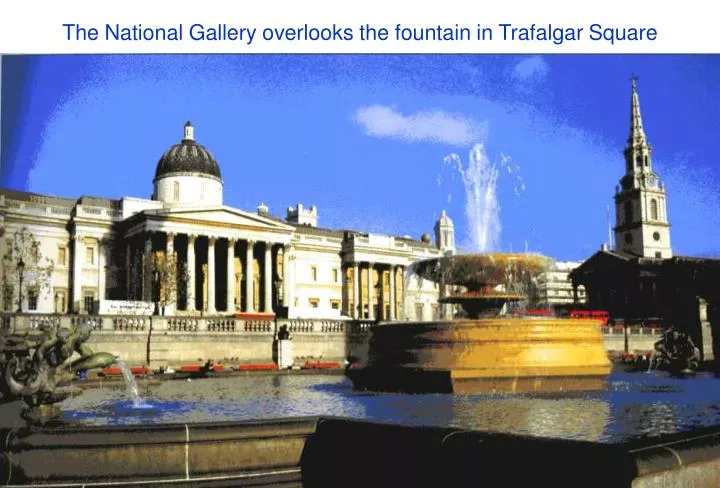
(21, 271)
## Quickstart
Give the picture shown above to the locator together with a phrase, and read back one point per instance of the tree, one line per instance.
(27, 273)
(169, 276)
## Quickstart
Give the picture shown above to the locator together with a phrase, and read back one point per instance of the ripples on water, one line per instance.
(633, 405)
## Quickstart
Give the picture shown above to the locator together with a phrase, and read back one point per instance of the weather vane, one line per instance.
(634, 78)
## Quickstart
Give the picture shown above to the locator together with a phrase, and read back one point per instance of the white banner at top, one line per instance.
(367, 26)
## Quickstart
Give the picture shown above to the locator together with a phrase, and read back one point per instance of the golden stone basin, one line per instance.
(475, 271)
(488, 354)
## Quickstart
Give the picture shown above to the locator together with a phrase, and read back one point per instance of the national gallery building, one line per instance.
(185, 253)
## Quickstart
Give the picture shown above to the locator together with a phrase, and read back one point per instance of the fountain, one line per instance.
(38, 370)
(487, 350)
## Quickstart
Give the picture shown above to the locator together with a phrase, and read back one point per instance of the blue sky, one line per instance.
(364, 137)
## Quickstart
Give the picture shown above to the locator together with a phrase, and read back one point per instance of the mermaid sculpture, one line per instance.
(39, 370)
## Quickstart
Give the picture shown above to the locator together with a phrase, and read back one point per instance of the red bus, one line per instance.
(534, 312)
(601, 315)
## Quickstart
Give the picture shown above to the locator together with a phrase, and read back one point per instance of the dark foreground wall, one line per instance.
(341, 453)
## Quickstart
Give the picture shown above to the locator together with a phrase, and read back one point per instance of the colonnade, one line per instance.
(204, 273)
(374, 291)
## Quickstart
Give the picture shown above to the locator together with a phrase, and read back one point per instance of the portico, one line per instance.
(206, 260)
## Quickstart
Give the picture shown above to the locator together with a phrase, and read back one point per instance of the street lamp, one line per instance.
(21, 271)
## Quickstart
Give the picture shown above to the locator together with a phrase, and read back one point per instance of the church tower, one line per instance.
(641, 210)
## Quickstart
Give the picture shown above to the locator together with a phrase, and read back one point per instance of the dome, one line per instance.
(188, 157)
(427, 238)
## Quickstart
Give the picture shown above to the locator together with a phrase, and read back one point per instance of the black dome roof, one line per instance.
(187, 157)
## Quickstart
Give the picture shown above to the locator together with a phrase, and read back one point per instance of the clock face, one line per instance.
(652, 180)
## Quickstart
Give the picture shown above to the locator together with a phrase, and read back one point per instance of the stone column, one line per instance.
(393, 315)
(400, 311)
(190, 305)
(78, 249)
(101, 248)
(267, 275)
(211, 275)
(575, 293)
(286, 276)
(249, 297)
(371, 312)
(357, 311)
(171, 269)
(128, 271)
(230, 275)
(147, 270)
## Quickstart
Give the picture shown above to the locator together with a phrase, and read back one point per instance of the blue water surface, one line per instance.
(633, 405)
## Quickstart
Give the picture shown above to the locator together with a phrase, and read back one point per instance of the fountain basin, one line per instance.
(332, 452)
(485, 355)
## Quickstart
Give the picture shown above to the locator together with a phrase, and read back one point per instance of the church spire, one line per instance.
(637, 133)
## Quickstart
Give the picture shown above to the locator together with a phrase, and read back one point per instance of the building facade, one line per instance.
(183, 252)
(555, 287)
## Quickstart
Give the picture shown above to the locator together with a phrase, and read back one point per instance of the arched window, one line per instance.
(653, 209)
(176, 191)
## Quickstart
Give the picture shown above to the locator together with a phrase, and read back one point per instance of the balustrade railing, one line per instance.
(139, 323)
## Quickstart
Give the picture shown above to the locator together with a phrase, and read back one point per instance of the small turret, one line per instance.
(445, 234)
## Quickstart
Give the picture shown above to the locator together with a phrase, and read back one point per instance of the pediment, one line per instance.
(221, 216)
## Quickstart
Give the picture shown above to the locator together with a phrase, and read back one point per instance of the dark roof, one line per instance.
(187, 157)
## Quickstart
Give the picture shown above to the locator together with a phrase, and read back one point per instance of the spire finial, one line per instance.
(637, 134)
(189, 132)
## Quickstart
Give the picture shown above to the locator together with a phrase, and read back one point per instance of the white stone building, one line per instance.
(184, 252)
(555, 287)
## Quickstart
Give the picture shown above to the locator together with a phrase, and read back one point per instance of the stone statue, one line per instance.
(676, 352)
(38, 370)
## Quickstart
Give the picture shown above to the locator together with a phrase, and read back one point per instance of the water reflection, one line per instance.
(633, 405)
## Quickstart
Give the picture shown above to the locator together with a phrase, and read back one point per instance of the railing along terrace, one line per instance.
(139, 323)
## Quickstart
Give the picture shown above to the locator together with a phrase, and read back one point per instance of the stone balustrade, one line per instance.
(228, 325)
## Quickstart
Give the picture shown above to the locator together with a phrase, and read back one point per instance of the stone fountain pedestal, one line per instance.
(486, 352)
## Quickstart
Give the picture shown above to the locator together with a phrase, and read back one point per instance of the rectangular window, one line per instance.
(335, 304)
(336, 276)
(34, 254)
(419, 311)
(61, 256)
(88, 301)
(313, 273)
(60, 301)
(314, 302)
(90, 256)
(32, 299)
